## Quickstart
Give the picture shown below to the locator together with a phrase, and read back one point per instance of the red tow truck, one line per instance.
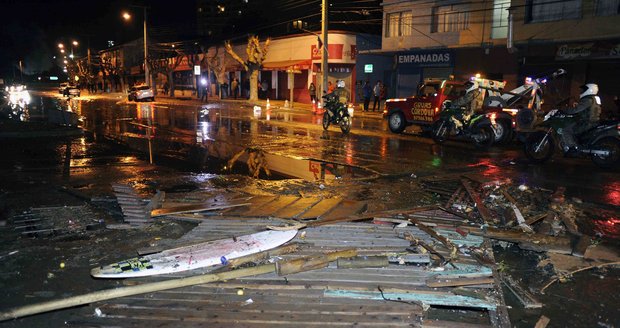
(421, 109)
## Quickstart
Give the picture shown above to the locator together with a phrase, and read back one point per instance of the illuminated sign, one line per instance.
(440, 58)
(53, 78)
(368, 68)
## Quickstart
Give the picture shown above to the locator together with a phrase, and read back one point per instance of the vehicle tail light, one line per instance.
(492, 117)
(618, 127)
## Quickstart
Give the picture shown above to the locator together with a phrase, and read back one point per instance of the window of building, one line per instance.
(552, 10)
(399, 24)
(499, 27)
(607, 7)
(451, 18)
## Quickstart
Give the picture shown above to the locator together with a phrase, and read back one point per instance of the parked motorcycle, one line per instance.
(601, 143)
(336, 113)
(477, 128)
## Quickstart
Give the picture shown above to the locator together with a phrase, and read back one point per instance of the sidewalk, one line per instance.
(192, 100)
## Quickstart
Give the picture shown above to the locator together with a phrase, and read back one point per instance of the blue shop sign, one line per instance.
(441, 58)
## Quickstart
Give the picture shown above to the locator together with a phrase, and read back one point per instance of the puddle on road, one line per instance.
(203, 138)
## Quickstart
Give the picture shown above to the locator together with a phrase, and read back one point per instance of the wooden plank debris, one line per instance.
(363, 262)
(525, 297)
(542, 322)
(193, 209)
(297, 208)
(535, 242)
(278, 203)
(133, 207)
(321, 208)
(445, 241)
(344, 209)
(281, 267)
(430, 298)
(454, 282)
(482, 209)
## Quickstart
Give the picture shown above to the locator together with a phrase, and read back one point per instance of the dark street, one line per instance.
(287, 163)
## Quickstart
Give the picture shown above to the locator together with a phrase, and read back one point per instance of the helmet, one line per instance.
(589, 89)
(340, 84)
(470, 86)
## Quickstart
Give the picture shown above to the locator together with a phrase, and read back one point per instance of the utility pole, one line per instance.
(21, 72)
(147, 77)
(324, 67)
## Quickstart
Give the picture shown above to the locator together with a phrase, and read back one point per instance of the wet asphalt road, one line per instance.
(179, 130)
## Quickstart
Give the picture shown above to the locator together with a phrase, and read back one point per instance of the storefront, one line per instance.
(412, 67)
(296, 61)
(586, 62)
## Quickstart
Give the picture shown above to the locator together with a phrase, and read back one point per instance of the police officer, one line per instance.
(586, 113)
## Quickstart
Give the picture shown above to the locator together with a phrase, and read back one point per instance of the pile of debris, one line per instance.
(339, 263)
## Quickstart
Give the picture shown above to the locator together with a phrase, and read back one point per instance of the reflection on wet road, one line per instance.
(296, 145)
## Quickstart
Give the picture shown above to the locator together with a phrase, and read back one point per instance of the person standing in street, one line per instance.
(205, 92)
(367, 90)
(383, 96)
(234, 85)
(312, 92)
(330, 87)
(376, 92)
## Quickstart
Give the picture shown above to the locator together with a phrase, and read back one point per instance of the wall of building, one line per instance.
(587, 27)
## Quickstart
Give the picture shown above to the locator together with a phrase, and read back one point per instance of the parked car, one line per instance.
(140, 92)
(62, 87)
(71, 90)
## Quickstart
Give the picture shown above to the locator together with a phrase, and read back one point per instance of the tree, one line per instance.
(113, 68)
(217, 65)
(86, 71)
(166, 66)
(252, 65)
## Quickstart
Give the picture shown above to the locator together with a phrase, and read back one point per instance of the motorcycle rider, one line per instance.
(586, 116)
(340, 97)
(465, 103)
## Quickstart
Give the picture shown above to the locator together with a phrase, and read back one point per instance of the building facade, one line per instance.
(504, 40)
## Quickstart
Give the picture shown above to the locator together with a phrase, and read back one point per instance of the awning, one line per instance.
(287, 64)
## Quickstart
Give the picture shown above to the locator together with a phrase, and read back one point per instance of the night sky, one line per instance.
(32, 29)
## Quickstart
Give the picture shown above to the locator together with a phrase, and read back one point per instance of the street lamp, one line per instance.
(74, 43)
(127, 16)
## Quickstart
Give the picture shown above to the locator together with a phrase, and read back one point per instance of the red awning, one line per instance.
(287, 64)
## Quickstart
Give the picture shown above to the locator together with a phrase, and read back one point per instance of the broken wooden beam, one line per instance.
(482, 209)
(431, 232)
(533, 241)
(192, 209)
(292, 266)
(311, 262)
(370, 215)
(363, 262)
(455, 282)
(527, 299)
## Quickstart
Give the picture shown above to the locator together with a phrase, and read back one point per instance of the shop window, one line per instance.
(499, 27)
(451, 18)
(552, 10)
(398, 24)
(607, 7)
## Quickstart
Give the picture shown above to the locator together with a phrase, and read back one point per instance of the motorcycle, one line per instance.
(601, 143)
(336, 113)
(478, 128)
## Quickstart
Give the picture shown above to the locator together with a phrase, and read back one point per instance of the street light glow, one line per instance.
(126, 16)
(60, 45)
(75, 43)
(62, 51)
